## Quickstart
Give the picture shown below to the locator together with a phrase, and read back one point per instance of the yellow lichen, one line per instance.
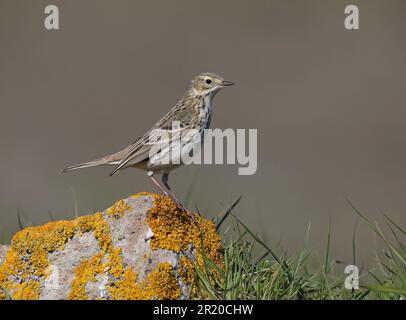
(85, 273)
(186, 270)
(161, 283)
(27, 291)
(115, 266)
(176, 230)
(110, 263)
(118, 209)
(126, 288)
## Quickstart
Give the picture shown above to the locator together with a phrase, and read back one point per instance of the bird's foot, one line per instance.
(178, 203)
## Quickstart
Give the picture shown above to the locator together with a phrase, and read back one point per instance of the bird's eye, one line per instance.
(208, 81)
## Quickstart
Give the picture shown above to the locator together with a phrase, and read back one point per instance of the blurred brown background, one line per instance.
(329, 105)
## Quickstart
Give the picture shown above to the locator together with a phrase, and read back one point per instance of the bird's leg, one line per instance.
(166, 190)
(165, 178)
(150, 174)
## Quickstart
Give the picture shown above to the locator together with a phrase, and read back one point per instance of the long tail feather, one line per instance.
(84, 165)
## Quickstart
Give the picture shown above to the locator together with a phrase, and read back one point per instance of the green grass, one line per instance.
(254, 270)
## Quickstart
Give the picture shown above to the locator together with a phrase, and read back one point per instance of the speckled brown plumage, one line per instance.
(192, 111)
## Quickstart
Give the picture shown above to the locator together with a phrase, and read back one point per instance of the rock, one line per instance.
(142, 247)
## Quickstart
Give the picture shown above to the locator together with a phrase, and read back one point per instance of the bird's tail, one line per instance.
(89, 164)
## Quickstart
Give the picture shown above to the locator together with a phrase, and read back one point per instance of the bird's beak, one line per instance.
(226, 83)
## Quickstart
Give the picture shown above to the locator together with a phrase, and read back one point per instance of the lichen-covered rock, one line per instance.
(140, 248)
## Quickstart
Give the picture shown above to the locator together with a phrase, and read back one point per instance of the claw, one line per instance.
(178, 204)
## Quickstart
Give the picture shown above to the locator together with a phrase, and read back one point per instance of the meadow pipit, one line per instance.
(192, 114)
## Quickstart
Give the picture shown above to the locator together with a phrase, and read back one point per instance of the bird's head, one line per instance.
(208, 83)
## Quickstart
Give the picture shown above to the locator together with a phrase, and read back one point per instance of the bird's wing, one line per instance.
(160, 134)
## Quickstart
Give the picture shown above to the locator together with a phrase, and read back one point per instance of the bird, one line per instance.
(192, 115)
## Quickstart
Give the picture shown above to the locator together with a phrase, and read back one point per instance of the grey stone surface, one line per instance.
(63, 264)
